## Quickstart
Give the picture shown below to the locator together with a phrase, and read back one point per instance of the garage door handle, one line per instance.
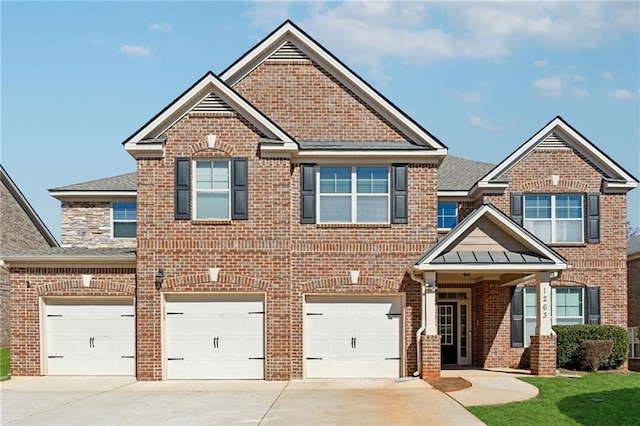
(91, 343)
(353, 343)
(216, 342)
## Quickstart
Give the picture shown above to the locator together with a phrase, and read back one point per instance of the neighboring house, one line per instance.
(633, 296)
(291, 222)
(20, 229)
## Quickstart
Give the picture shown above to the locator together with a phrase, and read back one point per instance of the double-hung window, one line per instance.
(566, 308)
(353, 194)
(124, 220)
(212, 198)
(555, 218)
(634, 342)
(447, 215)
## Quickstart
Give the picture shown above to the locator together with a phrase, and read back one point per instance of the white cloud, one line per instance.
(268, 15)
(132, 50)
(622, 94)
(608, 75)
(578, 78)
(579, 93)
(540, 63)
(549, 86)
(465, 97)
(483, 124)
(163, 26)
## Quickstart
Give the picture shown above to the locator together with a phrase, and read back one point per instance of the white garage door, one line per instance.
(90, 337)
(215, 337)
(348, 337)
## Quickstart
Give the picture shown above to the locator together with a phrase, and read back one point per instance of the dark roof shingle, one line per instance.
(125, 182)
(460, 174)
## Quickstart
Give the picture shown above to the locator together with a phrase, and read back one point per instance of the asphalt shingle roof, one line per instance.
(74, 252)
(633, 245)
(126, 182)
(459, 174)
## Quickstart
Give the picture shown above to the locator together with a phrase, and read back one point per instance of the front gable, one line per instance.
(315, 97)
(557, 142)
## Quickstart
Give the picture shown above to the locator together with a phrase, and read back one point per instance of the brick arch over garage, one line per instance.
(225, 282)
(96, 288)
(344, 283)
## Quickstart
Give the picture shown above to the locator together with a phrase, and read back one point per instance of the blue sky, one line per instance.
(80, 77)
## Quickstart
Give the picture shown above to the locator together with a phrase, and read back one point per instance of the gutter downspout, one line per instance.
(423, 320)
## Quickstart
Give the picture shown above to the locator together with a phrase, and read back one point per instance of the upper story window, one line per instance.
(447, 215)
(125, 217)
(353, 194)
(555, 218)
(212, 198)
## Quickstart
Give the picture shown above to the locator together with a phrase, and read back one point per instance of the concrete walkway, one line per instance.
(491, 387)
(123, 401)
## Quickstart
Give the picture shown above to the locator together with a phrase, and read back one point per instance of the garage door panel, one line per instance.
(90, 337)
(352, 337)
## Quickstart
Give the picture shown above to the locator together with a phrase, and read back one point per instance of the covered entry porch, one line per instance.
(468, 280)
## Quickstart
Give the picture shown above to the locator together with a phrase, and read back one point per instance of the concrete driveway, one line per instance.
(123, 401)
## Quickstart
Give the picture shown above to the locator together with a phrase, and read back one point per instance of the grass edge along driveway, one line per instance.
(5, 364)
(604, 398)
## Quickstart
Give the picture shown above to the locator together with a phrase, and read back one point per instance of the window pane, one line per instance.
(568, 321)
(335, 180)
(530, 302)
(372, 180)
(568, 206)
(372, 209)
(537, 206)
(569, 231)
(124, 229)
(212, 205)
(335, 208)
(539, 228)
(124, 211)
(447, 215)
(529, 330)
(212, 175)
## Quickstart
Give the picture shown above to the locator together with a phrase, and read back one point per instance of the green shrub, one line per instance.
(594, 352)
(570, 338)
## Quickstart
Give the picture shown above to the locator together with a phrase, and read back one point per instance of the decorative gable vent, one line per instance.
(289, 52)
(554, 141)
(212, 103)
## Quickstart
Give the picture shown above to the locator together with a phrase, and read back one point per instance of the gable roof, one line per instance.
(148, 139)
(537, 257)
(27, 208)
(120, 186)
(290, 37)
(615, 177)
(460, 174)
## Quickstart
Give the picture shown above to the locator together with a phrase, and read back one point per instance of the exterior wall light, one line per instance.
(159, 279)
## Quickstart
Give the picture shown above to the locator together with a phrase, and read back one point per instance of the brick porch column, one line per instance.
(430, 355)
(543, 355)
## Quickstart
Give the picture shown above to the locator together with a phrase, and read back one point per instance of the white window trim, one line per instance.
(194, 198)
(113, 221)
(553, 217)
(438, 215)
(634, 339)
(354, 194)
(553, 309)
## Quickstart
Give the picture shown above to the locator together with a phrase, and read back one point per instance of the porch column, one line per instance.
(430, 342)
(543, 343)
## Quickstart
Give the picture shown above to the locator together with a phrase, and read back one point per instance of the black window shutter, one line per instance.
(593, 218)
(307, 193)
(239, 189)
(593, 305)
(517, 318)
(399, 197)
(182, 194)
(516, 207)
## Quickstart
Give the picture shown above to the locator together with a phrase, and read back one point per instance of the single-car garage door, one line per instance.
(90, 337)
(215, 336)
(352, 337)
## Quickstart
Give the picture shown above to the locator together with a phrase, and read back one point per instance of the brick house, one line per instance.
(633, 297)
(289, 221)
(20, 229)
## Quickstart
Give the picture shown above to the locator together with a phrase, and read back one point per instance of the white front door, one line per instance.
(90, 337)
(352, 337)
(215, 337)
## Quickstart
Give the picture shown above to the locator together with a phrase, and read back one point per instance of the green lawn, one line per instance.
(5, 364)
(595, 399)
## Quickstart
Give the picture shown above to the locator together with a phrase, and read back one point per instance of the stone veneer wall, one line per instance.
(88, 224)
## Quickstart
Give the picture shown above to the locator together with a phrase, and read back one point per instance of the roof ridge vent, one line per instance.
(289, 52)
(212, 103)
(554, 141)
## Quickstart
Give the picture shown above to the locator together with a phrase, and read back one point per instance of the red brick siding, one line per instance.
(53, 282)
(311, 105)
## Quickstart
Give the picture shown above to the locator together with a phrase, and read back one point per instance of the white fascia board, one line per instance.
(354, 83)
(197, 93)
(491, 267)
(434, 156)
(455, 195)
(93, 195)
(278, 150)
(619, 186)
(144, 150)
